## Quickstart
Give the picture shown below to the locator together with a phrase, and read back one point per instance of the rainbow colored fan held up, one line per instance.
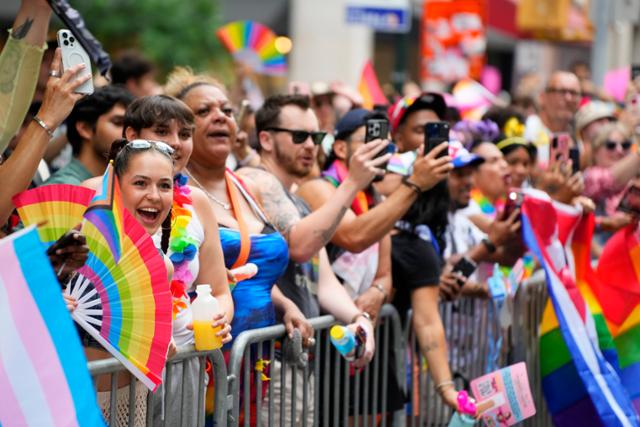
(123, 295)
(254, 45)
(55, 209)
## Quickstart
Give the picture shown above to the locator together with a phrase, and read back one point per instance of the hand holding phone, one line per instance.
(464, 267)
(73, 54)
(514, 201)
(435, 133)
(559, 152)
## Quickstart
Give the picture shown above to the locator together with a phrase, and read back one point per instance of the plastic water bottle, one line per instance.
(461, 420)
(204, 307)
(343, 339)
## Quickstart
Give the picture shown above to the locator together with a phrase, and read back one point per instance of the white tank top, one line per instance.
(182, 335)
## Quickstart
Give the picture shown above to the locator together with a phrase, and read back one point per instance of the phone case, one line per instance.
(73, 54)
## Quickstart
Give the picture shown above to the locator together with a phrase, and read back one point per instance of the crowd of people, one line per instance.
(292, 187)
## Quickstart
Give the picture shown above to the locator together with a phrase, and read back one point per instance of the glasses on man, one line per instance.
(564, 91)
(612, 145)
(300, 136)
(143, 144)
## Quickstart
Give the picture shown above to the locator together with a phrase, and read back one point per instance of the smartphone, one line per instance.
(435, 133)
(560, 148)
(574, 155)
(514, 201)
(378, 128)
(73, 54)
(465, 267)
(630, 202)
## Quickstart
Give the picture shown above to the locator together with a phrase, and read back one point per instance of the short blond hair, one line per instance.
(602, 135)
(183, 79)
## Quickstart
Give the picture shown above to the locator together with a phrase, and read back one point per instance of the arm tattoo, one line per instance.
(327, 234)
(21, 31)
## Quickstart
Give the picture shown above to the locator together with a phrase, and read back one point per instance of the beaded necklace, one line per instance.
(183, 247)
(486, 206)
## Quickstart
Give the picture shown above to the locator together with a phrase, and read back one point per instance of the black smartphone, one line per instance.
(630, 202)
(560, 144)
(435, 133)
(377, 128)
(514, 201)
(67, 239)
(574, 155)
(465, 267)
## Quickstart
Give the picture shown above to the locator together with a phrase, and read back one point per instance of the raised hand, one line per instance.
(363, 165)
(430, 169)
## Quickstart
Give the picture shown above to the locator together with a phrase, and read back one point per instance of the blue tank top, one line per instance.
(253, 307)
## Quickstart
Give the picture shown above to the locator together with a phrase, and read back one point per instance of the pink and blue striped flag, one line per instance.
(44, 379)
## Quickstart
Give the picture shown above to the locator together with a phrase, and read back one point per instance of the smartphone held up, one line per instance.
(74, 54)
(435, 133)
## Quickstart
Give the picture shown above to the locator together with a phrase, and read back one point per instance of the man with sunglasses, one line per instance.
(558, 104)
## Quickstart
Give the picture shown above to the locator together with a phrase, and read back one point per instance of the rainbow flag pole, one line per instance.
(43, 370)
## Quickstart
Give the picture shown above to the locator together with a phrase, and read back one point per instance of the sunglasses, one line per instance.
(611, 145)
(300, 136)
(143, 144)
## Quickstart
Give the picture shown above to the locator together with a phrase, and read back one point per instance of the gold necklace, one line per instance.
(225, 206)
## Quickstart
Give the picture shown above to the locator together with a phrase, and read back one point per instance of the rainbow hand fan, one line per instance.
(253, 44)
(124, 300)
(54, 208)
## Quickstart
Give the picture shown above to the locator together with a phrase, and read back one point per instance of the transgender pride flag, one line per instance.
(43, 372)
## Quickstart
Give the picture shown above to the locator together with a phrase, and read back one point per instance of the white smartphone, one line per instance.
(73, 54)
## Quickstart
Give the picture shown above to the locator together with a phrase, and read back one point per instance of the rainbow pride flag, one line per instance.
(43, 371)
(370, 89)
(618, 290)
(581, 385)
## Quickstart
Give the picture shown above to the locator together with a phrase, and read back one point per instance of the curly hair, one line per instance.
(183, 79)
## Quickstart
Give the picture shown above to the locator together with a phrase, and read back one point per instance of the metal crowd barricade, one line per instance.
(529, 305)
(113, 367)
(468, 330)
(322, 393)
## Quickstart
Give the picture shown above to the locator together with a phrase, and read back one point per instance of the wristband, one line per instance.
(489, 245)
(379, 287)
(43, 125)
(412, 185)
(444, 384)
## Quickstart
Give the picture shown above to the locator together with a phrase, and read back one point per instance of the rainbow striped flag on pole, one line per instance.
(43, 371)
(581, 386)
(618, 291)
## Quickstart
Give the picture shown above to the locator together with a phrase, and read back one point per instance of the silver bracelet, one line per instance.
(43, 125)
(379, 287)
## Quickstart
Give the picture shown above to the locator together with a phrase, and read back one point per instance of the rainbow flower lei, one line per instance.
(486, 206)
(183, 247)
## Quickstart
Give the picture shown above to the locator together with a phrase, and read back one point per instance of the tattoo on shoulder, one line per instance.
(278, 207)
(21, 31)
